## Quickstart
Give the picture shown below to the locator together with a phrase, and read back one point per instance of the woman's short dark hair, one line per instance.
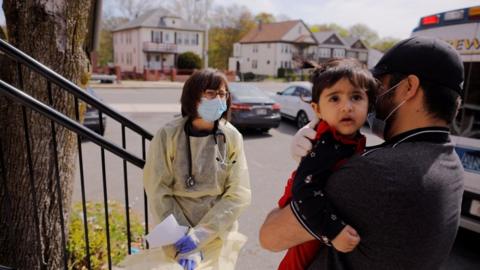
(196, 85)
(335, 69)
(439, 101)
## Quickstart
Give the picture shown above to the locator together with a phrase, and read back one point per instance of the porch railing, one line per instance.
(56, 118)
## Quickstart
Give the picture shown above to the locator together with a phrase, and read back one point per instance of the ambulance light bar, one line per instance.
(454, 15)
(429, 20)
(474, 12)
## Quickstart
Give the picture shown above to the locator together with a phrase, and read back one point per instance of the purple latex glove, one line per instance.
(190, 261)
(186, 244)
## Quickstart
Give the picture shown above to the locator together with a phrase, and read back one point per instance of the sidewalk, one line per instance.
(126, 84)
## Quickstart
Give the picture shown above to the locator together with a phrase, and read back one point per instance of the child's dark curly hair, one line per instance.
(329, 73)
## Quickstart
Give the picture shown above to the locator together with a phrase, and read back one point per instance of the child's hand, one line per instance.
(346, 240)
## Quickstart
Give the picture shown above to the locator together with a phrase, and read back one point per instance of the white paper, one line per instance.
(166, 232)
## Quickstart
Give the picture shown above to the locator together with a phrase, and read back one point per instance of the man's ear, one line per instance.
(413, 84)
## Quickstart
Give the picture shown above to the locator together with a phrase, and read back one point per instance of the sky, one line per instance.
(389, 18)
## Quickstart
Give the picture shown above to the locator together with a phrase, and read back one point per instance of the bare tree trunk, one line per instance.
(54, 33)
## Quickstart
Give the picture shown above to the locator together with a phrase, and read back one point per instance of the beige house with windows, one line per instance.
(288, 44)
(271, 46)
(332, 45)
(154, 40)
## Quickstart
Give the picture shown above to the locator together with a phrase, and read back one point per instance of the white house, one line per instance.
(154, 40)
(373, 57)
(357, 49)
(287, 44)
(271, 46)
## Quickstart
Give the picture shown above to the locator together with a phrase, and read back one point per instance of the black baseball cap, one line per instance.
(430, 59)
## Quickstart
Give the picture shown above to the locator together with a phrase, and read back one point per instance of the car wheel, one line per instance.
(302, 119)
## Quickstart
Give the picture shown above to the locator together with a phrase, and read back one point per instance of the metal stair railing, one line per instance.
(82, 132)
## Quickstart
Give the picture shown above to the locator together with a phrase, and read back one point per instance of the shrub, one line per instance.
(77, 258)
(189, 60)
(248, 76)
(290, 75)
(281, 73)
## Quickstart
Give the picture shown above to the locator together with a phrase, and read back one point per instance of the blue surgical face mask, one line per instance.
(211, 110)
(376, 124)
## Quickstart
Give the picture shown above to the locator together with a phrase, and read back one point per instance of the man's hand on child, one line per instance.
(346, 240)
(301, 143)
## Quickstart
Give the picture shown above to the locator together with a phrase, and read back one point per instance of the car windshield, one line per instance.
(246, 91)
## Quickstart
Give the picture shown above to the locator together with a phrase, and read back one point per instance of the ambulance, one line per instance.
(461, 28)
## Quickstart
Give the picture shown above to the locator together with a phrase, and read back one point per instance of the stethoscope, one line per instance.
(190, 181)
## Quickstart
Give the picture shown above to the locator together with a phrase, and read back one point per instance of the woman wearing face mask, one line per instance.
(196, 170)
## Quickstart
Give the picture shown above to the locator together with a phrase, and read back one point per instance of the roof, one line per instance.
(269, 32)
(351, 40)
(323, 36)
(153, 19)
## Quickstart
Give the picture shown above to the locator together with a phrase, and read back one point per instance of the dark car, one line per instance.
(92, 120)
(252, 108)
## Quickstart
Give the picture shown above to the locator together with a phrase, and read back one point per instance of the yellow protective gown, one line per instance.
(212, 206)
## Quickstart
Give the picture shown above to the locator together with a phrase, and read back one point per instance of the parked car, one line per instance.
(294, 103)
(252, 108)
(92, 120)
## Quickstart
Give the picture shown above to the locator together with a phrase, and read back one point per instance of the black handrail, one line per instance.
(59, 80)
(61, 119)
(74, 125)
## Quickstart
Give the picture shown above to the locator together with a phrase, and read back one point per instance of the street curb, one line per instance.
(139, 85)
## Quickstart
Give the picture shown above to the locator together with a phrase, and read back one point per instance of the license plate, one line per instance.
(475, 208)
(261, 111)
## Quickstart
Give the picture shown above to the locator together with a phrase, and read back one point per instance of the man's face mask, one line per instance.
(376, 124)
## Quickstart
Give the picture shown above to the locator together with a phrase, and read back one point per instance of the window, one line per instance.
(254, 64)
(167, 37)
(255, 48)
(179, 38)
(289, 91)
(268, 45)
(196, 39)
(351, 55)
(362, 56)
(185, 38)
(192, 39)
(338, 53)
(268, 62)
(325, 53)
(306, 93)
(298, 92)
(156, 37)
